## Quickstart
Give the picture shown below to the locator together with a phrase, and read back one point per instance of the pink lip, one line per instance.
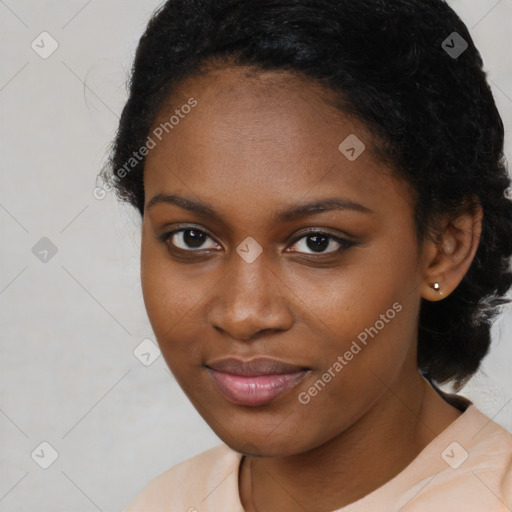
(255, 382)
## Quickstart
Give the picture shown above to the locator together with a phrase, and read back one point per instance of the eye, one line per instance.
(192, 240)
(318, 242)
(189, 239)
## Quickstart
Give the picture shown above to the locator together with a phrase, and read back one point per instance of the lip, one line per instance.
(255, 382)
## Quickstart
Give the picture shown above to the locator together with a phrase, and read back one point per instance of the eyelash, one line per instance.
(343, 242)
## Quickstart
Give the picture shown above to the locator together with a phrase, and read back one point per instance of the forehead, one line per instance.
(272, 132)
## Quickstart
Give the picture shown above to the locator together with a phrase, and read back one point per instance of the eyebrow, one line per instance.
(287, 215)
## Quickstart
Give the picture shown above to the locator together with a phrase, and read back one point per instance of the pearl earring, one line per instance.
(435, 286)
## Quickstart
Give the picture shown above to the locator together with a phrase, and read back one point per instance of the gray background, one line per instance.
(70, 323)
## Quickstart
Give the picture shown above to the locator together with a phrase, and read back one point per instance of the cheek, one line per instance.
(346, 300)
(174, 297)
(368, 314)
(358, 367)
(167, 296)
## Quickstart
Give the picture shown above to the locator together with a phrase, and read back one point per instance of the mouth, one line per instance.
(255, 382)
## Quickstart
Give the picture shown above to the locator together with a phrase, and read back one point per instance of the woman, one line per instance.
(326, 236)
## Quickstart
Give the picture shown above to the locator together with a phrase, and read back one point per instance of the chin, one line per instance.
(254, 444)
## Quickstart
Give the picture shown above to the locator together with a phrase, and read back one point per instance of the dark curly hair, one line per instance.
(430, 111)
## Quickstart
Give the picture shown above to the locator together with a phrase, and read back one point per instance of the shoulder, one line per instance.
(490, 454)
(188, 485)
(477, 457)
(484, 436)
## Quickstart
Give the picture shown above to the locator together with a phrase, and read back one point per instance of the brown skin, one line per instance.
(252, 147)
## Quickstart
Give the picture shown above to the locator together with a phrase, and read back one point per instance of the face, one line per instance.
(271, 319)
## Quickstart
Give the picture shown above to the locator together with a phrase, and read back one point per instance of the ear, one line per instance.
(447, 259)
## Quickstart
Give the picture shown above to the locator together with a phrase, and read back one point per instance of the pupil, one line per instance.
(194, 240)
(321, 242)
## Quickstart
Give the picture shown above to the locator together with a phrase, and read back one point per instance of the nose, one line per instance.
(251, 301)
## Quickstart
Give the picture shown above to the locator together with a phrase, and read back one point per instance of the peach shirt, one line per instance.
(466, 468)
